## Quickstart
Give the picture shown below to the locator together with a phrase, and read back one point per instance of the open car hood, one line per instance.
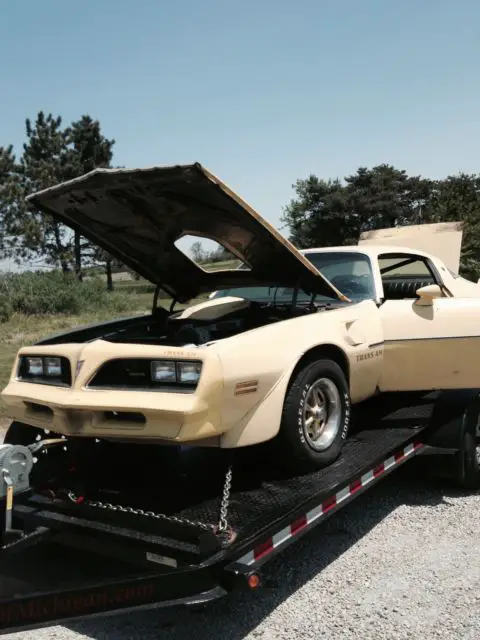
(137, 215)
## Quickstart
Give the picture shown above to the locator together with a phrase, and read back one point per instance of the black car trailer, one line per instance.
(197, 545)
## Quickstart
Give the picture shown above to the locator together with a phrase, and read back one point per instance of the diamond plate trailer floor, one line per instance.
(82, 568)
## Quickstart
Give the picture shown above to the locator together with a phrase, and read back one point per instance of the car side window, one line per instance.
(402, 274)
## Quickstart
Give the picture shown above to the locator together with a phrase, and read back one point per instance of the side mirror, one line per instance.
(428, 294)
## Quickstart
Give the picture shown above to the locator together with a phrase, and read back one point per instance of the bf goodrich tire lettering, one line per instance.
(316, 417)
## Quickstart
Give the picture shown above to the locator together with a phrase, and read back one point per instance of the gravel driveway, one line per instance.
(400, 562)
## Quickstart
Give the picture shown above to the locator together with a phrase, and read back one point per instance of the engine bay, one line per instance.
(207, 323)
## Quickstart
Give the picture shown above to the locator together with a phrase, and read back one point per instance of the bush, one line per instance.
(6, 309)
(127, 286)
(53, 292)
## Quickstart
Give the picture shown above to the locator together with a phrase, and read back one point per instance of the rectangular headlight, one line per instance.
(53, 367)
(52, 370)
(163, 371)
(35, 367)
(189, 372)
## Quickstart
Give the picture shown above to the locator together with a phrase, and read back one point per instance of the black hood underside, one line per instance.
(137, 215)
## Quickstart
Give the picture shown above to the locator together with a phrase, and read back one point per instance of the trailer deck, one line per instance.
(175, 557)
(262, 496)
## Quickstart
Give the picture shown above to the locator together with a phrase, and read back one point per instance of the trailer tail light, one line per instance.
(254, 581)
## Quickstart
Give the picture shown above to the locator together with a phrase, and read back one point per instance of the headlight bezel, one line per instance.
(178, 370)
(61, 378)
(136, 374)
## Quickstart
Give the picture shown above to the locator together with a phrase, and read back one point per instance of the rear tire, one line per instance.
(315, 418)
(470, 479)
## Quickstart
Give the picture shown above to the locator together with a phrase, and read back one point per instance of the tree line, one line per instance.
(323, 211)
(333, 212)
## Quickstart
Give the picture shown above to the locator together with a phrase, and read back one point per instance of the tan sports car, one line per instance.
(281, 349)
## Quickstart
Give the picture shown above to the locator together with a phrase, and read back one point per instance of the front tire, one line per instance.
(315, 417)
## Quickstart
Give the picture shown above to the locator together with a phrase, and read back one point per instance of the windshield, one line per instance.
(349, 271)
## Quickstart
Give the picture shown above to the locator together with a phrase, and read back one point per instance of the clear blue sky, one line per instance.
(262, 92)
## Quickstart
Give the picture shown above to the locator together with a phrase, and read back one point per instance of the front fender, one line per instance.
(265, 359)
(262, 421)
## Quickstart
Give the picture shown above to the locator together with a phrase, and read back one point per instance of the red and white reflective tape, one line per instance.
(301, 524)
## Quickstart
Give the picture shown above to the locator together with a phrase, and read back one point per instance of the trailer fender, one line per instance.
(455, 432)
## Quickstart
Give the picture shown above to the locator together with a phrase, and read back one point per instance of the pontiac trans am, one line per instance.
(280, 351)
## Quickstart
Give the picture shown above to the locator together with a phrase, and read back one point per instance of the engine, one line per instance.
(207, 324)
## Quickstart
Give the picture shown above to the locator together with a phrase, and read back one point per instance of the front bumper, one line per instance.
(151, 415)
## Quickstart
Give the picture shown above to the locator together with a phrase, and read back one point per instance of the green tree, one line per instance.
(384, 197)
(331, 212)
(320, 214)
(10, 194)
(89, 149)
(455, 198)
(52, 153)
(197, 251)
(30, 235)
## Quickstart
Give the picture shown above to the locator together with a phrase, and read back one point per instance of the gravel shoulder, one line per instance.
(400, 562)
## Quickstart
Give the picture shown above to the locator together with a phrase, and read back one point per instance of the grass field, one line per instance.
(26, 330)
